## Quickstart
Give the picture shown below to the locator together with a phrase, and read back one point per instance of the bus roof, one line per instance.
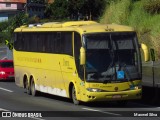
(80, 26)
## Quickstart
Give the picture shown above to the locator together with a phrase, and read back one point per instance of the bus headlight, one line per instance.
(138, 87)
(94, 90)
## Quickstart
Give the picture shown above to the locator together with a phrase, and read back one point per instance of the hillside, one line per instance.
(143, 15)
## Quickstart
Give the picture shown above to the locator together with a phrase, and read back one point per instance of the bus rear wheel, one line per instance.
(74, 97)
(28, 89)
(33, 89)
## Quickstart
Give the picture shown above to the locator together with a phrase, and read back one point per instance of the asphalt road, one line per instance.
(14, 101)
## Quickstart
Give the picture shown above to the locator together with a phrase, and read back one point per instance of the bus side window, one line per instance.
(40, 42)
(77, 46)
(47, 41)
(42, 37)
(16, 41)
(58, 43)
(66, 43)
(33, 42)
(52, 42)
(27, 41)
(21, 46)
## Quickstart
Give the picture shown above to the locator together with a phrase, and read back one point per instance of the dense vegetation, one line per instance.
(75, 9)
(143, 15)
(60, 10)
(7, 27)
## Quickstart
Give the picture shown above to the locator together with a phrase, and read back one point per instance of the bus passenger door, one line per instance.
(67, 59)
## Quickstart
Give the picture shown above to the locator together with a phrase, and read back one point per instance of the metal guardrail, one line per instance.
(151, 73)
(156, 64)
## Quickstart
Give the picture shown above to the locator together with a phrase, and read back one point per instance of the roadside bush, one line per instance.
(152, 6)
(142, 15)
(116, 12)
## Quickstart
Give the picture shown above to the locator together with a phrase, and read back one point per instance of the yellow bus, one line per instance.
(82, 60)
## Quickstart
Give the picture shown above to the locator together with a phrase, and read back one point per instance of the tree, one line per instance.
(75, 8)
(7, 27)
(59, 9)
(94, 8)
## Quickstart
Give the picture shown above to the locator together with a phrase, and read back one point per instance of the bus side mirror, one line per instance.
(82, 56)
(145, 51)
(152, 54)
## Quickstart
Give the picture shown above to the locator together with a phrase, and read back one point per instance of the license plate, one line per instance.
(116, 96)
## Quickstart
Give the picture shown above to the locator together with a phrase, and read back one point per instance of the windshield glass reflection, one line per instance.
(112, 57)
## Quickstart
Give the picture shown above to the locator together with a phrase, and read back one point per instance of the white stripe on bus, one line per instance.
(50, 90)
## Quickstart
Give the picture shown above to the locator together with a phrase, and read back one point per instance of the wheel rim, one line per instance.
(27, 88)
(74, 94)
(26, 83)
(74, 97)
(33, 88)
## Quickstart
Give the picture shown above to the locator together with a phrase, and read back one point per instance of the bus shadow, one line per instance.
(54, 97)
(106, 104)
(112, 104)
(131, 104)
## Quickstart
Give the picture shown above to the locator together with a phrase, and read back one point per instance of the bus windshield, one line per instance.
(112, 57)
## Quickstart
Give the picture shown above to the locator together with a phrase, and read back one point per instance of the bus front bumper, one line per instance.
(112, 96)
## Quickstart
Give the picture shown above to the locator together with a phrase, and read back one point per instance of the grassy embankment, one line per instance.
(143, 16)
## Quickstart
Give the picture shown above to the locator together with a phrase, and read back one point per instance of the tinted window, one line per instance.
(66, 41)
(18, 43)
(77, 46)
(49, 42)
(6, 64)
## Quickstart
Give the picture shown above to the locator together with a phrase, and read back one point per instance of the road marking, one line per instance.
(5, 89)
(1, 109)
(101, 111)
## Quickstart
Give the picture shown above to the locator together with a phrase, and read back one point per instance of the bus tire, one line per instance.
(28, 89)
(33, 89)
(74, 98)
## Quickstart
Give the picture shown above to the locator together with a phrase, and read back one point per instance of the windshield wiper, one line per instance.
(109, 73)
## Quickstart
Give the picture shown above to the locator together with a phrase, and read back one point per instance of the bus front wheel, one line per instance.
(74, 97)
